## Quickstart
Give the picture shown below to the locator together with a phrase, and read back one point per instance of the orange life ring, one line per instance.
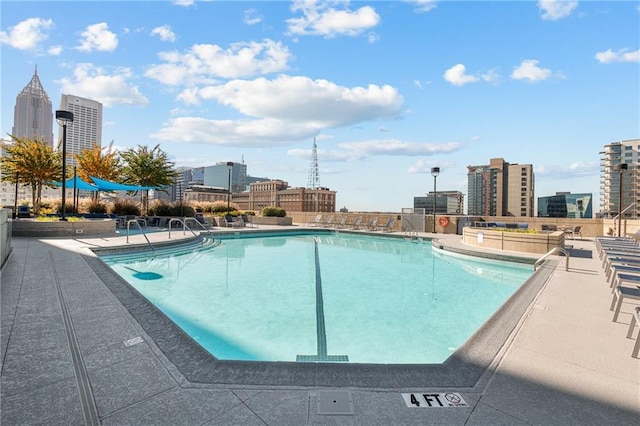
(443, 221)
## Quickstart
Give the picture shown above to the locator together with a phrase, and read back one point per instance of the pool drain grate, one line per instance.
(332, 402)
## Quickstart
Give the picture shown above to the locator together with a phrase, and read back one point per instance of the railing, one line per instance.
(615, 219)
(553, 251)
(136, 221)
(183, 221)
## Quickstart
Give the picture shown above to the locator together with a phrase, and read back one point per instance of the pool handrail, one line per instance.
(183, 221)
(136, 221)
(549, 253)
(410, 231)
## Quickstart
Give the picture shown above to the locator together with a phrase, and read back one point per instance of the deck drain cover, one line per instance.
(335, 402)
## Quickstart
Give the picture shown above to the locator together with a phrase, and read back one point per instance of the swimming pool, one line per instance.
(370, 299)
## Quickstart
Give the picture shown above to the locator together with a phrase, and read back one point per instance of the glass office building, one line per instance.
(566, 205)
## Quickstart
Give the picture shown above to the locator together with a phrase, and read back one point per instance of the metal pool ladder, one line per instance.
(136, 221)
(553, 251)
(183, 221)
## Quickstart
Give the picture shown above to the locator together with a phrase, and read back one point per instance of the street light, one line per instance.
(63, 118)
(229, 166)
(620, 168)
(15, 202)
(435, 171)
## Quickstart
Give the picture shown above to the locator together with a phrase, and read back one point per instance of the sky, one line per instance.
(388, 89)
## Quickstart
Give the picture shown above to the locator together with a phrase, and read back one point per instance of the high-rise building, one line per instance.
(33, 113)
(500, 189)
(615, 154)
(86, 128)
(218, 176)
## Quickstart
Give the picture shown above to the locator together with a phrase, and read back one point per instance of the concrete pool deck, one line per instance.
(73, 354)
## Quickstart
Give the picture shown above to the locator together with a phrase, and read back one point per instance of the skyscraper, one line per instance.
(33, 113)
(500, 189)
(616, 153)
(86, 128)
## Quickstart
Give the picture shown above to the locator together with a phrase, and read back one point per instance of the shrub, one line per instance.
(125, 207)
(68, 209)
(160, 208)
(95, 206)
(184, 210)
(274, 211)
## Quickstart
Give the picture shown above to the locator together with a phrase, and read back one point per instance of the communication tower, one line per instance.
(314, 176)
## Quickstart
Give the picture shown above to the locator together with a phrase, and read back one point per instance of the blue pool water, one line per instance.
(367, 299)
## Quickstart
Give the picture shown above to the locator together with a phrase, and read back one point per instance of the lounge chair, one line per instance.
(245, 221)
(621, 292)
(573, 232)
(373, 223)
(388, 226)
(316, 222)
(615, 268)
(635, 318)
(343, 221)
(230, 222)
(356, 223)
(329, 221)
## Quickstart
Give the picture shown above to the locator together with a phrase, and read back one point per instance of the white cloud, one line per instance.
(395, 147)
(237, 133)
(622, 55)
(164, 32)
(573, 170)
(301, 99)
(205, 62)
(529, 70)
(491, 76)
(252, 17)
(320, 18)
(26, 34)
(54, 50)
(423, 6)
(93, 82)
(457, 75)
(282, 111)
(357, 151)
(185, 3)
(556, 9)
(98, 37)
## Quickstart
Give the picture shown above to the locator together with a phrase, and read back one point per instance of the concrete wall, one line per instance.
(590, 228)
(83, 228)
(5, 235)
(513, 241)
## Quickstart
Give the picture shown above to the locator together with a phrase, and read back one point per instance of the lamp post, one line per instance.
(620, 168)
(229, 167)
(75, 190)
(435, 171)
(63, 118)
(15, 202)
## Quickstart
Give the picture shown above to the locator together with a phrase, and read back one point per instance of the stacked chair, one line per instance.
(621, 263)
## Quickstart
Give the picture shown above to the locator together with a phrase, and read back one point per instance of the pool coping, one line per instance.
(463, 369)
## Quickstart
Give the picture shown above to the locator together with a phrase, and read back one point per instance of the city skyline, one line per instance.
(388, 89)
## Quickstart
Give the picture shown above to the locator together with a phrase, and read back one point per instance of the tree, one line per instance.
(93, 162)
(144, 167)
(32, 162)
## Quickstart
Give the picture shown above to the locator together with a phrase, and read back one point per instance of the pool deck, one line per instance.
(71, 353)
